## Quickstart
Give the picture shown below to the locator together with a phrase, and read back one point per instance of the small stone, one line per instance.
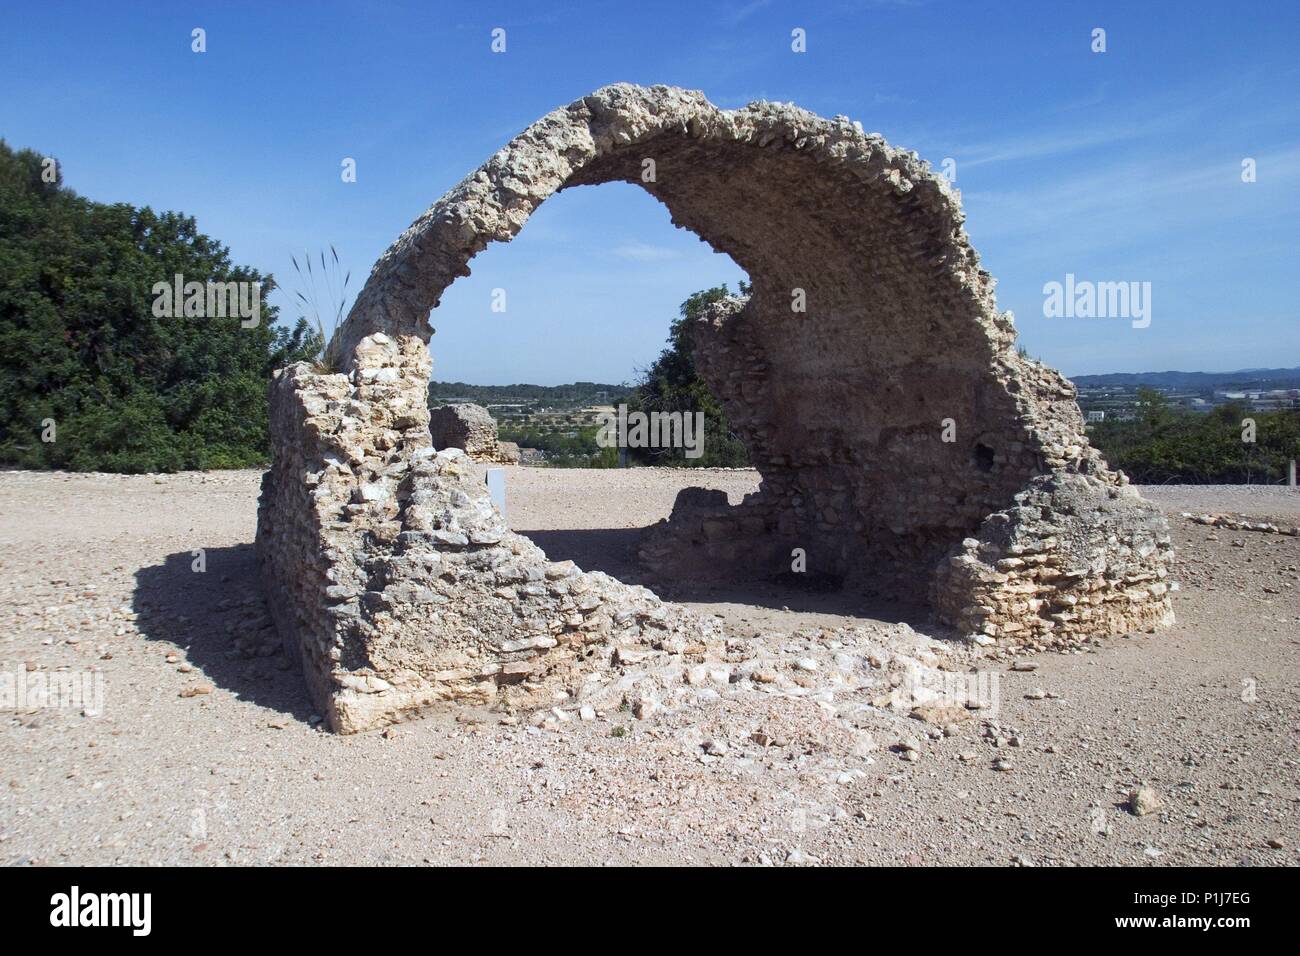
(587, 712)
(627, 656)
(1143, 801)
(1003, 764)
(941, 715)
(1036, 694)
(196, 690)
(715, 747)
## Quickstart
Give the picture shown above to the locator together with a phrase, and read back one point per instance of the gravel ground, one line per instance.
(1274, 501)
(97, 577)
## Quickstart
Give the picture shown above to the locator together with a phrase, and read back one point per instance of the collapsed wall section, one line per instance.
(394, 579)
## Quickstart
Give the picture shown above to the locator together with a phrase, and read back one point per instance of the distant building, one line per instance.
(1096, 416)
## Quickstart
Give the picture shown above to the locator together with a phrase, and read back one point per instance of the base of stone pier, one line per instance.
(1073, 558)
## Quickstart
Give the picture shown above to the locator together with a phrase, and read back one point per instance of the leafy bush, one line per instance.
(563, 450)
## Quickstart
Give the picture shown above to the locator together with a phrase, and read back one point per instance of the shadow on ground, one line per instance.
(613, 550)
(218, 618)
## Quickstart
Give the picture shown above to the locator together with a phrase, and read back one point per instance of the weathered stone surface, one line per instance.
(470, 428)
(904, 444)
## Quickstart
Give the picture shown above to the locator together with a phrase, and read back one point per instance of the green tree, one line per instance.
(1153, 408)
(80, 346)
(672, 384)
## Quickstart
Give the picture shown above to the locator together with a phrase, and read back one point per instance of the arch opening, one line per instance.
(594, 280)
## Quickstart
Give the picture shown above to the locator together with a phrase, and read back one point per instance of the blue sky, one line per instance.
(1115, 166)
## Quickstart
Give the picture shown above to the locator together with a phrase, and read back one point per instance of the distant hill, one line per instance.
(576, 394)
(1245, 378)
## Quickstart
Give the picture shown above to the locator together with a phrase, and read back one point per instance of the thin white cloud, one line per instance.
(1060, 141)
(644, 252)
(738, 15)
(1180, 192)
(1062, 130)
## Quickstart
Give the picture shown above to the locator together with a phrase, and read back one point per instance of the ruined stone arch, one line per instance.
(1016, 530)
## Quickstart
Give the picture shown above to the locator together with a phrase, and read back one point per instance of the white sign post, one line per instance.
(496, 483)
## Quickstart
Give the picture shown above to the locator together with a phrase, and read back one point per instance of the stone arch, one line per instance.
(1005, 530)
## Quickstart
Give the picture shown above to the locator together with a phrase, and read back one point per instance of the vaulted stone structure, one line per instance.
(903, 443)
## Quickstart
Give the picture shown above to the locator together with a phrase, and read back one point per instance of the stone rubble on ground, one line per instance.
(1240, 524)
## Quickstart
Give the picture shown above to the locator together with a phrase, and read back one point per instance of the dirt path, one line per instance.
(96, 575)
